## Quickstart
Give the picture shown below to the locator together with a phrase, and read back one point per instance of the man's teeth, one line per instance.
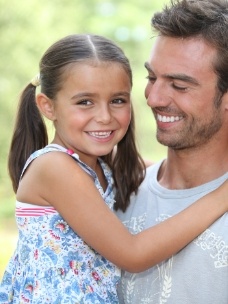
(100, 134)
(168, 118)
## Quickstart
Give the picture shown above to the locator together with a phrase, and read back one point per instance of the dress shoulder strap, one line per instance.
(55, 147)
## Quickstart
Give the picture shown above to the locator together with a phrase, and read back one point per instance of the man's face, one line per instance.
(182, 92)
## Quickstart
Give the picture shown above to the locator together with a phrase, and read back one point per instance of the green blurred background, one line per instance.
(27, 29)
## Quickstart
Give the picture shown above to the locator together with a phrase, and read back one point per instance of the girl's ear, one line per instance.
(46, 106)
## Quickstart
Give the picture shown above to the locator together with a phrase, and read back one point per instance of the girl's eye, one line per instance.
(84, 102)
(118, 101)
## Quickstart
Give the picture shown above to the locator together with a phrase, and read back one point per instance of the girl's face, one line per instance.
(92, 111)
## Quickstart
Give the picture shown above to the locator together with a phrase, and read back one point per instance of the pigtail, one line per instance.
(128, 168)
(29, 135)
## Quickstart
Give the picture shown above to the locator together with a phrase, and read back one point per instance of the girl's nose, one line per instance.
(104, 115)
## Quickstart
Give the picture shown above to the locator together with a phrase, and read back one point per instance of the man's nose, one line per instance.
(156, 95)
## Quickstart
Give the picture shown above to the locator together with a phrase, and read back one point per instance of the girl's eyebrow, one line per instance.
(87, 94)
(127, 94)
(83, 95)
(178, 76)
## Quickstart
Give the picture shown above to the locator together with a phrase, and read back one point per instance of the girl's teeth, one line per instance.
(100, 134)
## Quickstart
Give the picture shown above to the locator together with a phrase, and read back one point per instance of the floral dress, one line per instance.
(51, 263)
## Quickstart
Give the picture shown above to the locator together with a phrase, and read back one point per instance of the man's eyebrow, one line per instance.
(182, 77)
(178, 76)
(147, 66)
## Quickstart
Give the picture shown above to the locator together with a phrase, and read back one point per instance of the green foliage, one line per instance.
(28, 27)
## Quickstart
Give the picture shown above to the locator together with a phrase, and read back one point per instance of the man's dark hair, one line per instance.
(206, 19)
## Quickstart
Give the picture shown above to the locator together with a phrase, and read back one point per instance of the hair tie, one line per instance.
(36, 80)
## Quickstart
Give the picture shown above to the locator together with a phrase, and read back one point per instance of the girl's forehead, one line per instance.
(81, 67)
(93, 63)
(87, 77)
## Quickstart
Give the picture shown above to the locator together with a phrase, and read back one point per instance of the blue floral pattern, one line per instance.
(52, 264)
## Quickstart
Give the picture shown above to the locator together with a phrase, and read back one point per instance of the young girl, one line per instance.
(71, 245)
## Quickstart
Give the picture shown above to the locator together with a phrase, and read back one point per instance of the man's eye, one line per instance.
(179, 88)
(151, 78)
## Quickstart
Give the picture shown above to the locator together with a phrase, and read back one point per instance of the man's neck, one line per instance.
(191, 168)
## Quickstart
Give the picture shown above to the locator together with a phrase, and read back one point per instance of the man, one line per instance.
(187, 91)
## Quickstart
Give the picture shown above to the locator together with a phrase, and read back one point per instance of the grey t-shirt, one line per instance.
(198, 274)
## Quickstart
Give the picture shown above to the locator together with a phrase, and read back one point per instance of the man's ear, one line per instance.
(46, 106)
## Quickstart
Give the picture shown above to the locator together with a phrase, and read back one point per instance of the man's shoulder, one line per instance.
(140, 201)
(152, 170)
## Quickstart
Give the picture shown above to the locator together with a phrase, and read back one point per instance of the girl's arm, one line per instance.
(64, 185)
